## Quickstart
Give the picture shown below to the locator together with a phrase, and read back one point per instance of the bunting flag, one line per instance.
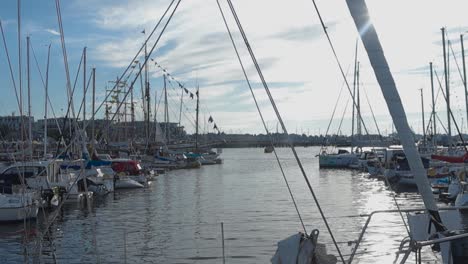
(197, 93)
(180, 86)
(191, 95)
(143, 31)
(210, 119)
(215, 126)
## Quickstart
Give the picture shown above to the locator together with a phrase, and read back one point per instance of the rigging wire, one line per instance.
(267, 90)
(9, 65)
(333, 113)
(341, 121)
(372, 112)
(336, 57)
(134, 58)
(181, 86)
(455, 59)
(451, 115)
(261, 117)
(44, 84)
(75, 138)
(146, 59)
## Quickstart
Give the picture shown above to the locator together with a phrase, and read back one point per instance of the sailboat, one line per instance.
(439, 229)
(451, 243)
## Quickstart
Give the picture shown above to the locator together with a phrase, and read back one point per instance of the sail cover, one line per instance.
(359, 12)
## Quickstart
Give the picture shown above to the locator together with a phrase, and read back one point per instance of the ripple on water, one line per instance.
(178, 218)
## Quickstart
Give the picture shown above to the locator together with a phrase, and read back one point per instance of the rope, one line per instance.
(261, 117)
(336, 58)
(452, 116)
(64, 53)
(341, 121)
(9, 65)
(398, 206)
(267, 90)
(146, 59)
(372, 112)
(333, 113)
(455, 59)
(133, 60)
(44, 84)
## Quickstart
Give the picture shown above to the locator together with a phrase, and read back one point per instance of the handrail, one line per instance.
(424, 243)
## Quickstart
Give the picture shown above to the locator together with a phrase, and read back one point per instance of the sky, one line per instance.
(288, 42)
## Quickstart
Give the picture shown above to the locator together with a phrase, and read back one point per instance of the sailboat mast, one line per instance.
(181, 103)
(196, 118)
(93, 106)
(132, 113)
(20, 70)
(464, 75)
(148, 105)
(166, 114)
(46, 102)
(354, 92)
(84, 87)
(434, 123)
(422, 111)
(155, 115)
(358, 106)
(28, 71)
(447, 86)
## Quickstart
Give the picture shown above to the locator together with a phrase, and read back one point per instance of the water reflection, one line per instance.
(177, 219)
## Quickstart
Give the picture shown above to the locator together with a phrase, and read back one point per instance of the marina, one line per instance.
(152, 144)
(177, 219)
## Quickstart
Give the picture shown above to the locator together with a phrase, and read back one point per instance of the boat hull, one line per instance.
(18, 213)
(337, 161)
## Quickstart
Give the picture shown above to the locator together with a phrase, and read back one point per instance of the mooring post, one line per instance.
(222, 241)
(125, 246)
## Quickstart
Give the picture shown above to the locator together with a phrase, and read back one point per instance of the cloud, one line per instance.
(52, 31)
(305, 33)
(289, 44)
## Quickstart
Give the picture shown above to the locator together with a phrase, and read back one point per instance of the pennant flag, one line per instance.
(210, 119)
(143, 31)
(152, 59)
(180, 85)
(186, 91)
(215, 126)
(191, 95)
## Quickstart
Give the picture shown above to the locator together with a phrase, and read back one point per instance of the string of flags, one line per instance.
(215, 127)
(181, 86)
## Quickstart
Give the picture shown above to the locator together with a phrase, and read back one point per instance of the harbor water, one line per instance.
(177, 219)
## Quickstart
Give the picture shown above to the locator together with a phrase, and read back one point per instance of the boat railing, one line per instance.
(415, 245)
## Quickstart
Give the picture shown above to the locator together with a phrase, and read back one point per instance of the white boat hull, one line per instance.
(127, 184)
